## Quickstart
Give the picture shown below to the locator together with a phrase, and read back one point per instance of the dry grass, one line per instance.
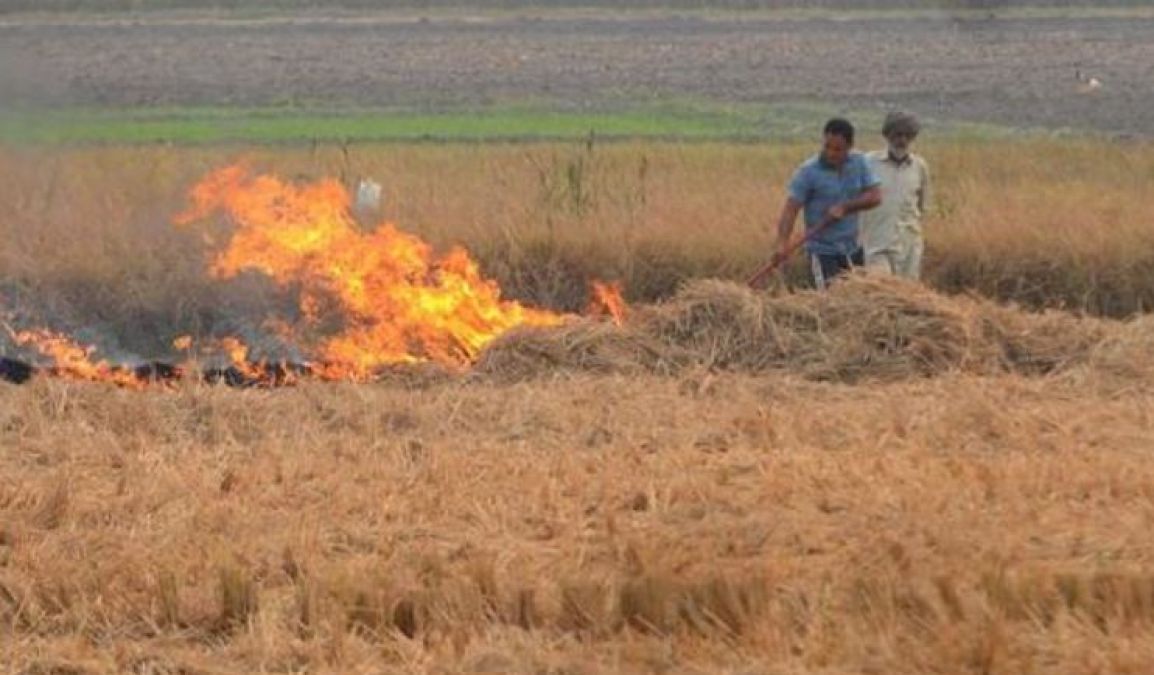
(866, 328)
(579, 524)
(88, 240)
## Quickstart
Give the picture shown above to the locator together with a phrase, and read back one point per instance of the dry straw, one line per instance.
(865, 328)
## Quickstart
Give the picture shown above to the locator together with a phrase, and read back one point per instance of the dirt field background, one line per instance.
(1018, 71)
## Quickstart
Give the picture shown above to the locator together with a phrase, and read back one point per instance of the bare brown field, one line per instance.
(1016, 71)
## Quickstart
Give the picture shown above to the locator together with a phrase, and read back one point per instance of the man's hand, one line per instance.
(837, 212)
(781, 247)
(774, 266)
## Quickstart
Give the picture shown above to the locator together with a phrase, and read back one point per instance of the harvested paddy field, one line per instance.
(707, 522)
(577, 523)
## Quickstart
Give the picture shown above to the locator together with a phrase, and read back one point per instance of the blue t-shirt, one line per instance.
(818, 187)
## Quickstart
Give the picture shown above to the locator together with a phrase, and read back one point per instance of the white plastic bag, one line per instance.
(368, 200)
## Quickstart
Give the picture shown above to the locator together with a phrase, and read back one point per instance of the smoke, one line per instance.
(22, 309)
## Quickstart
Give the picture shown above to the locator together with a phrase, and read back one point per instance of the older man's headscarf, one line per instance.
(901, 122)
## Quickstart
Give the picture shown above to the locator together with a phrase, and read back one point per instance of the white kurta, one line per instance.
(891, 234)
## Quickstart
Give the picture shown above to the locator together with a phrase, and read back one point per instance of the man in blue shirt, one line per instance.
(832, 187)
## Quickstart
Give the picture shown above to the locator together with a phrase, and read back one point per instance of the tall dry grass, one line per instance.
(1041, 222)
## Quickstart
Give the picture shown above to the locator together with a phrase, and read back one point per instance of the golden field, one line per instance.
(586, 524)
(881, 480)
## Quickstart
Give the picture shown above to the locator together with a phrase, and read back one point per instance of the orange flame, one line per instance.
(72, 360)
(238, 354)
(398, 301)
(607, 299)
(395, 300)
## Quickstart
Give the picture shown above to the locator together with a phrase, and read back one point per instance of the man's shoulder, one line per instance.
(808, 170)
(810, 163)
(876, 155)
(858, 159)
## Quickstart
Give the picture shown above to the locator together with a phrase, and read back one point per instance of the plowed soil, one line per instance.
(1017, 71)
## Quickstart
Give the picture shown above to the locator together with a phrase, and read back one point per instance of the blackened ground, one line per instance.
(262, 374)
(1009, 71)
(14, 371)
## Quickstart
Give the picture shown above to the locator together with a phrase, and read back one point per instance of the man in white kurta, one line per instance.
(891, 234)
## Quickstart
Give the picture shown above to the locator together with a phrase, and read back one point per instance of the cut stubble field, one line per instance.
(585, 524)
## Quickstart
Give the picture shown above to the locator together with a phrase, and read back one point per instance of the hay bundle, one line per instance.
(865, 327)
(885, 328)
(582, 346)
(723, 325)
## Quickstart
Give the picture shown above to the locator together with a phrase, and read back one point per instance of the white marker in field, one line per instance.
(368, 201)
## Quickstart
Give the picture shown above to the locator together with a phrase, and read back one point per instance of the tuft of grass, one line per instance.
(238, 597)
(168, 600)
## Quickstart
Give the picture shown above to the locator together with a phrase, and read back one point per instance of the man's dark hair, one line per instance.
(839, 127)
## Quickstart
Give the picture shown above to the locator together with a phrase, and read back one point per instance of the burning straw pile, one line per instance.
(866, 328)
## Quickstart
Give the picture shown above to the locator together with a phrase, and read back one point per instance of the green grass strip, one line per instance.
(222, 125)
(277, 125)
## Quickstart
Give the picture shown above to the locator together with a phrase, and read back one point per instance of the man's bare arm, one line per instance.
(785, 222)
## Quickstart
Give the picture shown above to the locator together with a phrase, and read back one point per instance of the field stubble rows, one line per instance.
(703, 523)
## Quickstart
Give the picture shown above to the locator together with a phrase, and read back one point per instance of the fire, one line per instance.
(238, 356)
(398, 301)
(72, 360)
(365, 299)
(607, 298)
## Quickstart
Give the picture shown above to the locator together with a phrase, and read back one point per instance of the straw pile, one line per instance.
(865, 328)
(585, 345)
